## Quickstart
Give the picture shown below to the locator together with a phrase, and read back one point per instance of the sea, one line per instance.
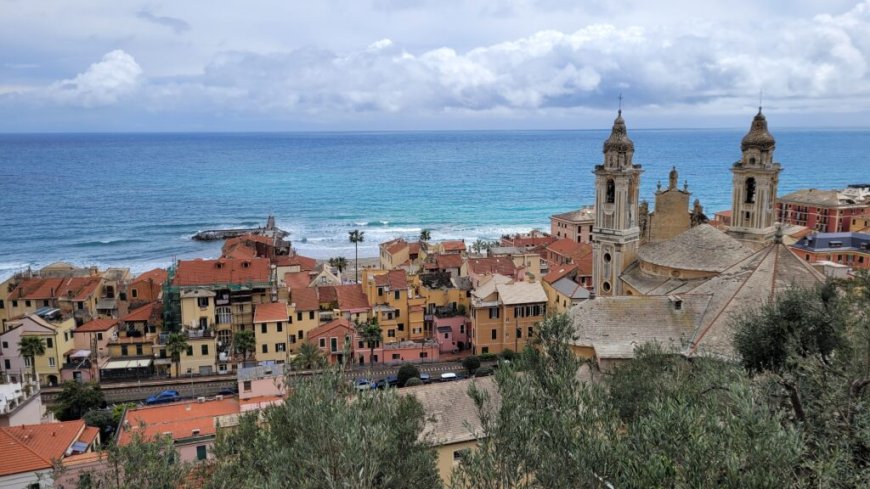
(135, 200)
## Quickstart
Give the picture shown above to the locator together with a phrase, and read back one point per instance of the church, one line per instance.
(670, 277)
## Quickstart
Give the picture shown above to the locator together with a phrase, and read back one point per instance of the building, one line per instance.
(575, 225)
(398, 253)
(29, 452)
(504, 313)
(827, 211)
(335, 340)
(565, 288)
(452, 421)
(90, 349)
(131, 348)
(272, 330)
(395, 304)
(249, 246)
(20, 402)
(147, 287)
(671, 216)
(261, 386)
(192, 425)
(211, 301)
(304, 314)
(57, 339)
(451, 333)
(529, 261)
(477, 269)
(339, 342)
(849, 249)
(76, 296)
(861, 224)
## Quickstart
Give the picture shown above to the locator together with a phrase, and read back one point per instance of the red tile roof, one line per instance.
(528, 242)
(414, 248)
(394, 279)
(295, 280)
(327, 294)
(142, 313)
(97, 325)
(558, 271)
(352, 298)
(453, 245)
(157, 276)
(305, 298)
(448, 261)
(89, 435)
(222, 271)
(325, 328)
(270, 312)
(569, 248)
(491, 265)
(177, 419)
(240, 253)
(27, 448)
(395, 245)
(303, 262)
(74, 288)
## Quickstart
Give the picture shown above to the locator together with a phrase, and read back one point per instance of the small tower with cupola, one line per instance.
(616, 234)
(754, 186)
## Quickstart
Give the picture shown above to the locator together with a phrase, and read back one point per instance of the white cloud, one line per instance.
(103, 83)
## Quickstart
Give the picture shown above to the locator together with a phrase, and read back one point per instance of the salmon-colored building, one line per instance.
(828, 211)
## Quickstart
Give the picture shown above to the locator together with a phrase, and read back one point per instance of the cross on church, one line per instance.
(620, 102)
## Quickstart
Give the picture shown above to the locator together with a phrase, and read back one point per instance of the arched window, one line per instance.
(611, 192)
(750, 190)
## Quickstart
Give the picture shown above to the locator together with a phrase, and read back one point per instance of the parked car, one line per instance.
(388, 381)
(364, 384)
(163, 397)
(228, 391)
(448, 376)
(426, 378)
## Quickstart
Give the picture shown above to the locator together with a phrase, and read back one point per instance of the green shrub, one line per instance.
(406, 372)
(413, 381)
(485, 357)
(471, 363)
(507, 354)
(483, 371)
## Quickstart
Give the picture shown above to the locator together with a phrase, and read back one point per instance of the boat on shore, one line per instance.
(269, 230)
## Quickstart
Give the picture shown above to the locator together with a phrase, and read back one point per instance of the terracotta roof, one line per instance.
(305, 263)
(559, 271)
(453, 245)
(394, 279)
(305, 299)
(325, 328)
(444, 262)
(97, 325)
(569, 248)
(222, 271)
(725, 213)
(295, 280)
(500, 265)
(240, 253)
(158, 276)
(394, 246)
(89, 435)
(351, 297)
(177, 419)
(326, 294)
(142, 313)
(73, 288)
(450, 414)
(28, 448)
(702, 248)
(528, 242)
(414, 248)
(270, 312)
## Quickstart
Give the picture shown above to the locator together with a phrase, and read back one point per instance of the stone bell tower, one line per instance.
(616, 234)
(755, 181)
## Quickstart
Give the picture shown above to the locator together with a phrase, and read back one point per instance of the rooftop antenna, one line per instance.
(620, 103)
(760, 99)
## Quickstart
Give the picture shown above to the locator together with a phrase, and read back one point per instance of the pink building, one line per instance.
(261, 386)
(338, 338)
(451, 333)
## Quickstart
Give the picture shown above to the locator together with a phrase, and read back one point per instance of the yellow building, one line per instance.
(392, 301)
(272, 330)
(57, 339)
(399, 253)
(76, 296)
(563, 289)
(504, 313)
(304, 314)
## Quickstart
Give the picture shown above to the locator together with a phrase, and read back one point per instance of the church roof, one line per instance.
(618, 140)
(649, 284)
(702, 248)
(758, 135)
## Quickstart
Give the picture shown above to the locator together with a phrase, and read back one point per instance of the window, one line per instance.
(446, 336)
(531, 330)
(749, 191)
(44, 303)
(333, 344)
(380, 291)
(292, 339)
(6, 364)
(485, 349)
(51, 362)
(134, 293)
(201, 452)
(26, 303)
(323, 342)
(360, 345)
(246, 386)
(519, 333)
(14, 303)
(299, 316)
(493, 313)
(265, 348)
(224, 315)
(5, 344)
(280, 327)
(311, 315)
(28, 362)
(203, 349)
(396, 356)
(100, 336)
(461, 329)
(424, 354)
(611, 192)
(280, 347)
(264, 328)
(401, 326)
(494, 334)
(124, 351)
(203, 323)
(396, 294)
(301, 334)
(190, 351)
(139, 350)
(391, 333)
(607, 258)
(202, 301)
(1, 304)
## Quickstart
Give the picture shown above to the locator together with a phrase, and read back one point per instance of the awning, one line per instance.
(118, 364)
(80, 354)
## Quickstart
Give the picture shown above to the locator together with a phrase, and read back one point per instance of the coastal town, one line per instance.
(190, 348)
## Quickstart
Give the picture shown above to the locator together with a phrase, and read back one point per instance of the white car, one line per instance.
(448, 376)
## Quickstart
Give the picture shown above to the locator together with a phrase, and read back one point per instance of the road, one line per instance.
(192, 387)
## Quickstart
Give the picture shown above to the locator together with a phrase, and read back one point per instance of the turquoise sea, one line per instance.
(135, 199)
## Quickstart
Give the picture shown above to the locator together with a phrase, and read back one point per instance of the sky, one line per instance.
(325, 65)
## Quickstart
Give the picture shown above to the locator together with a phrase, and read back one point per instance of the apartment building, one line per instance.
(504, 313)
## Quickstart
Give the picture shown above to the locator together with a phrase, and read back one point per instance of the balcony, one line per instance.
(14, 395)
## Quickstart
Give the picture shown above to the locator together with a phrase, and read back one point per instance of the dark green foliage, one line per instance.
(483, 372)
(471, 363)
(413, 382)
(245, 342)
(486, 357)
(77, 398)
(507, 354)
(309, 357)
(324, 436)
(102, 419)
(406, 372)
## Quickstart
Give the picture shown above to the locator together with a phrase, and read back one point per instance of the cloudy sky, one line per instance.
(90, 65)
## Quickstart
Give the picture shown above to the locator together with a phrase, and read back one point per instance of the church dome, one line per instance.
(758, 136)
(618, 140)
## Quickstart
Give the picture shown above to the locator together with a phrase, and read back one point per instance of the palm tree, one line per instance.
(309, 357)
(176, 344)
(245, 342)
(338, 262)
(31, 347)
(356, 237)
(425, 235)
(370, 332)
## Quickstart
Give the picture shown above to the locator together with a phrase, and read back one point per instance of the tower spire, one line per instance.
(620, 103)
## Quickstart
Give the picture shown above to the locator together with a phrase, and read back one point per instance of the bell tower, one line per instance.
(755, 181)
(616, 234)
